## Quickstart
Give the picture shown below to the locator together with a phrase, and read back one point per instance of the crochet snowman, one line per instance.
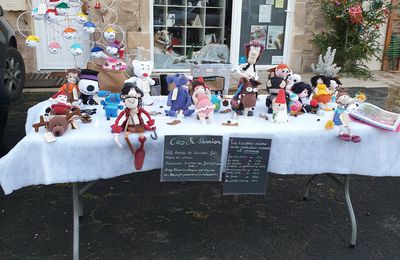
(142, 71)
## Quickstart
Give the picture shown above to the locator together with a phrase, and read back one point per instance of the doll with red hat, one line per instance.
(61, 105)
(279, 106)
(134, 121)
(254, 50)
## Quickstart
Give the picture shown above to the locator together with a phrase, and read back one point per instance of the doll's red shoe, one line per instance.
(345, 137)
(140, 154)
(355, 139)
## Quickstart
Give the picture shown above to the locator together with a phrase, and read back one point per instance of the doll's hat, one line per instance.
(256, 44)
(89, 74)
(59, 93)
(281, 99)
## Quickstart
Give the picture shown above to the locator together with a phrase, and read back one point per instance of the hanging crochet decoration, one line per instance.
(70, 27)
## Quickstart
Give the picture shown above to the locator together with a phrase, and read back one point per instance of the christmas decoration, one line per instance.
(354, 32)
(70, 25)
(325, 64)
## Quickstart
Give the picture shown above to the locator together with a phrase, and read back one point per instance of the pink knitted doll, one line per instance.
(202, 101)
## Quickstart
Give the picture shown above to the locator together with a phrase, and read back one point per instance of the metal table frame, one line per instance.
(77, 193)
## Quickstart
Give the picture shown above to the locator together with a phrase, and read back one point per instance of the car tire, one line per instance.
(14, 73)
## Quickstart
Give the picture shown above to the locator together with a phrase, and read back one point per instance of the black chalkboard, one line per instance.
(192, 158)
(246, 166)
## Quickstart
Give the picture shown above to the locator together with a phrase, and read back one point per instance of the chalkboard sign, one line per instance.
(192, 158)
(246, 166)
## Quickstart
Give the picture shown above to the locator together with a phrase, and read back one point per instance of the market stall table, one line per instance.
(90, 153)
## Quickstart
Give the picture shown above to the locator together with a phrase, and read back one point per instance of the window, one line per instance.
(190, 31)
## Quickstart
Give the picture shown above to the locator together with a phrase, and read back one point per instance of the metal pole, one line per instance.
(351, 212)
(305, 197)
(76, 209)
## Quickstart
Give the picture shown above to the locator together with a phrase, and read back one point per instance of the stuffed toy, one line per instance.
(61, 104)
(216, 101)
(179, 99)
(57, 124)
(295, 106)
(291, 80)
(323, 96)
(254, 50)
(244, 100)
(274, 85)
(132, 95)
(341, 117)
(279, 106)
(281, 71)
(71, 87)
(202, 101)
(142, 71)
(111, 103)
(88, 86)
(304, 91)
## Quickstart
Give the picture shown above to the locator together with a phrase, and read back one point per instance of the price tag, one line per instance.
(74, 125)
(175, 94)
(49, 137)
(344, 117)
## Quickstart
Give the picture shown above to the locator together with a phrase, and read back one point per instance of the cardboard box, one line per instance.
(215, 83)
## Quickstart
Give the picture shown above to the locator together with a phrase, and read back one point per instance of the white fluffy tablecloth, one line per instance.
(302, 146)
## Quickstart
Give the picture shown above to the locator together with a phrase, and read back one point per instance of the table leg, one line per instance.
(351, 212)
(77, 193)
(346, 184)
(305, 197)
(76, 209)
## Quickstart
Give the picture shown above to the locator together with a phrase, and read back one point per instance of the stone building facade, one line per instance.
(134, 18)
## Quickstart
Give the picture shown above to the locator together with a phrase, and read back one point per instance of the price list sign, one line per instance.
(192, 158)
(247, 166)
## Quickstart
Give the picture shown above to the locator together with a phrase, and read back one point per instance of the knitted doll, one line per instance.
(342, 119)
(71, 87)
(88, 86)
(274, 85)
(254, 50)
(142, 71)
(179, 99)
(60, 105)
(202, 101)
(111, 103)
(134, 122)
(304, 91)
(279, 115)
(245, 98)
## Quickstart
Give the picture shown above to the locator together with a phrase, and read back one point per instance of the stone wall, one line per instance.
(307, 20)
(134, 18)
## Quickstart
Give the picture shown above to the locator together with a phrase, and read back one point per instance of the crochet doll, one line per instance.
(142, 71)
(254, 50)
(179, 98)
(71, 87)
(88, 86)
(134, 122)
(341, 118)
(60, 105)
(202, 101)
(274, 85)
(304, 91)
(280, 115)
(245, 98)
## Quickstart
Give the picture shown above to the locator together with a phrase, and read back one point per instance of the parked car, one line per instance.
(12, 73)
